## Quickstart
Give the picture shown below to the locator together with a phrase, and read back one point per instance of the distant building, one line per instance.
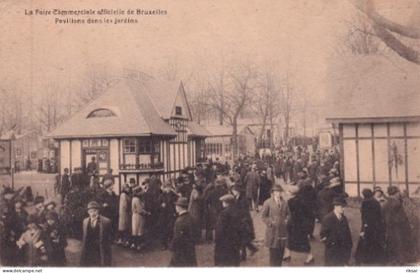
(28, 148)
(219, 143)
(379, 128)
(138, 128)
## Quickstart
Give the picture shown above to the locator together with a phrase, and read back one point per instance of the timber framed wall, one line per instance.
(381, 154)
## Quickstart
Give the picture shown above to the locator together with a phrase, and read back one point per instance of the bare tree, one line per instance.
(391, 33)
(97, 81)
(235, 99)
(266, 105)
(287, 99)
(360, 38)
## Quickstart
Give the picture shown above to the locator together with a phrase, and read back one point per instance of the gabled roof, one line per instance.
(163, 95)
(136, 112)
(374, 88)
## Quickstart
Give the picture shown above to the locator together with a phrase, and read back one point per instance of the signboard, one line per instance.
(325, 140)
(5, 153)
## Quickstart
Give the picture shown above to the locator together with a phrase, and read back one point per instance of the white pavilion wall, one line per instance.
(381, 155)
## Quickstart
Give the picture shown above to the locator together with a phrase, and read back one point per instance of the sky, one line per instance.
(298, 35)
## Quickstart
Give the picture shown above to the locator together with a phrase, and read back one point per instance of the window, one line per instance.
(145, 146)
(101, 113)
(178, 110)
(129, 146)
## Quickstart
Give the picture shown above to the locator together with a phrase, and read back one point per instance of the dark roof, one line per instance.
(374, 88)
(136, 112)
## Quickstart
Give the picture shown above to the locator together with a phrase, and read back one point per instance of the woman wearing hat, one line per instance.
(124, 217)
(299, 226)
(370, 249)
(97, 238)
(138, 218)
(398, 231)
(55, 240)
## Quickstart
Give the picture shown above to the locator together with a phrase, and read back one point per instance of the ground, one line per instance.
(43, 184)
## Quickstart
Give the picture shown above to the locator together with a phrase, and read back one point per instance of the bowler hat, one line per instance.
(339, 201)
(182, 202)
(93, 205)
(228, 198)
(393, 190)
(276, 187)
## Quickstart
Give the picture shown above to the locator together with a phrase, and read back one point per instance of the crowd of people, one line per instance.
(291, 191)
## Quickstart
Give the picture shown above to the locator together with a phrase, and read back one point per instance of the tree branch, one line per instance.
(396, 45)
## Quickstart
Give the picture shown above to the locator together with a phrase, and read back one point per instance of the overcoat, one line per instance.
(124, 212)
(56, 242)
(247, 225)
(227, 237)
(138, 216)
(338, 241)
(370, 249)
(398, 232)
(183, 245)
(252, 182)
(105, 241)
(299, 225)
(275, 218)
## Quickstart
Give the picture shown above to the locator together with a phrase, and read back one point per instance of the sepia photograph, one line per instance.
(258, 134)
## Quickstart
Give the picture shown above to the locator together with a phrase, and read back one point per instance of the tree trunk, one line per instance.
(235, 139)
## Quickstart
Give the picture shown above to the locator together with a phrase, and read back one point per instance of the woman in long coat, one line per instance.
(398, 231)
(299, 226)
(370, 249)
(124, 215)
(138, 218)
(195, 209)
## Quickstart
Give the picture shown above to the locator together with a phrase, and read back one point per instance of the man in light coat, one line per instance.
(97, 238)
(274, 214)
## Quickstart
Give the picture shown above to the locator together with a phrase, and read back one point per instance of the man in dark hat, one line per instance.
(274, 214)
(228, 234)
(167, 213)
(183, 245)
(213, 207)
(65, 184)
(92, 166)
(336, 235)
(97, 238)
(109, 202)
(247, 225)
